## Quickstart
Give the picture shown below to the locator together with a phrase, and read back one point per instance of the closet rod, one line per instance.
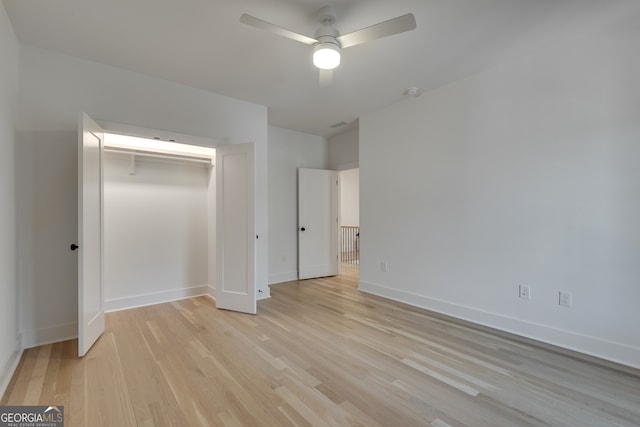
(206, 161)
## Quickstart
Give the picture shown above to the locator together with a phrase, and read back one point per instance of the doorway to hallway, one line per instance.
(350, 224)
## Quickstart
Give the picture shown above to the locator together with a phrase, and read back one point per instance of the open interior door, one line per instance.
(317, 223)
(235, 228)
(90, 234)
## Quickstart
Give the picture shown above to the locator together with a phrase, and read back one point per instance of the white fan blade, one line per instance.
(326, 78)
(387, 28)
(264, 25)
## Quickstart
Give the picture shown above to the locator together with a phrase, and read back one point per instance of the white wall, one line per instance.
(155, 227)
(527, 173)
(54, 88)
(9, 340)
(350, 198)
(288, 151)
(343, 150)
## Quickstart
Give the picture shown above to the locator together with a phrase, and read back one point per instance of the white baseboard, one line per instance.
(10, 366)
(283, 277)
(211, 292)
(593, 346)
(117, 304)
(50, 334)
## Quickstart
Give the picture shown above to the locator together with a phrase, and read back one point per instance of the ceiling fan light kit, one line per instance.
(328, 42)
(326, 56)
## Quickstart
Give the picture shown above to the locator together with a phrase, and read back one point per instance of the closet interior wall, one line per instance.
(156, 230)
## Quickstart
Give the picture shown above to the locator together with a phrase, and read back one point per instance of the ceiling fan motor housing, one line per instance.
(327, 35)
(328, 39)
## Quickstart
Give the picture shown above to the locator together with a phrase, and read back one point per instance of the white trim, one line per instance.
(211, 292)
(117, 304)
(283, 277)
(10, 367)
(593, 346)
(50, 334)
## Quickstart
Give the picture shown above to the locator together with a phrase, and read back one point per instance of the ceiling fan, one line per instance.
(328, 42)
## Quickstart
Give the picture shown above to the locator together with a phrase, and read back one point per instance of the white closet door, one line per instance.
(90, 234)
(317, 223)
(235, 228)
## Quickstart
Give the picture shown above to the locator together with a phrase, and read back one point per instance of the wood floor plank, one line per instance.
(320, 353)
(107, 398)
(39, 371)
(16, 391)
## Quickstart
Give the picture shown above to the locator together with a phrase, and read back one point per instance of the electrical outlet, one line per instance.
(564, 299)
(383, 267)
(525, 292)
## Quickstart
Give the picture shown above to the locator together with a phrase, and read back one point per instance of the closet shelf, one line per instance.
(195, 159)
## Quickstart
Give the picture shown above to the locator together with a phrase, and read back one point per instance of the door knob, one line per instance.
(73, 247)
(302, 229)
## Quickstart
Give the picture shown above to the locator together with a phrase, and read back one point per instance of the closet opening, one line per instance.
(159, 221)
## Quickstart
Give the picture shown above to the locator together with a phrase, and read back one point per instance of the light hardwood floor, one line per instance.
(319, 353)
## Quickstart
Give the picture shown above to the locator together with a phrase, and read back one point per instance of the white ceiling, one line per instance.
(202, 44)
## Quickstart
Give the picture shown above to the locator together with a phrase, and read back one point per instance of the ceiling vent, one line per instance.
(338, 125)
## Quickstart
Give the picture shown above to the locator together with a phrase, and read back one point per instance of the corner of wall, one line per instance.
(10, 366)
(10, 343)
(344, 150)
(211, 292)
(49, 335)
(153, 298)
